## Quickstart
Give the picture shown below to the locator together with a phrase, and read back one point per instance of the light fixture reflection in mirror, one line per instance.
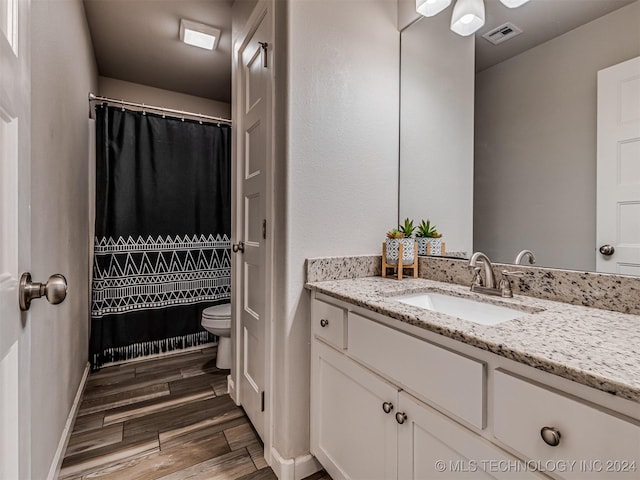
(429, 8)
(468, 15)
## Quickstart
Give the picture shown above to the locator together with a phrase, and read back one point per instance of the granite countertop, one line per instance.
(597, 348)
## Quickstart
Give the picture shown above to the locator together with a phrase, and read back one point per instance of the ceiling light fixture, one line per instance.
(468, 15)
(429, 8)
(199, 34)
(513, 3)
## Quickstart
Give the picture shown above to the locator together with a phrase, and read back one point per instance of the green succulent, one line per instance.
(426, 229)
(408, 228)
(395, 233)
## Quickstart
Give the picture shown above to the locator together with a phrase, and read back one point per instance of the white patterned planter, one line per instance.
(430, 246)
(393, 250)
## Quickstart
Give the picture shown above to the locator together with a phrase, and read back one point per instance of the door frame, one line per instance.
(237, 103)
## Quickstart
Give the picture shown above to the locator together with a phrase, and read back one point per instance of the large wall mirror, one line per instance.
(498, 143)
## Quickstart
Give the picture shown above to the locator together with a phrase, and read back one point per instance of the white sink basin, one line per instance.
(464, 308)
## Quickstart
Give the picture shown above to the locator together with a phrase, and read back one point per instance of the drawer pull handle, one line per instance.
(401, 417)
(387, 407)
(551, 436)
(324, 322)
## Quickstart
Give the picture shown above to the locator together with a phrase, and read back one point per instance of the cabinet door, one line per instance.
(431, 446)
(351, 435)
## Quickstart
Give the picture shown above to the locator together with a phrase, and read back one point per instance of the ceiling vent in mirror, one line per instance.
(502, 33)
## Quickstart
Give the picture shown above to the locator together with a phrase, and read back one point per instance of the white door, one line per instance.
(432, 446)
(353, 436)
(618, 204)
(15, 241)
(253, 157)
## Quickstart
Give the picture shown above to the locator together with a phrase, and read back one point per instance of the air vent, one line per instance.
(502, 33)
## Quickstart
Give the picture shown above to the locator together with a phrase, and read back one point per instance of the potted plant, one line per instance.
(401, 235)
(429, 240)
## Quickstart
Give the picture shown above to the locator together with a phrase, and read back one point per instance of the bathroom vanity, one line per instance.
(400, 391)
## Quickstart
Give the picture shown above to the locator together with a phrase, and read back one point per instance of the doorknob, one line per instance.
(55, 290)
(238, 247)
(607, 250)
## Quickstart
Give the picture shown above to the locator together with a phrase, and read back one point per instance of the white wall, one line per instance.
(535, 155)
(407, 13)
(341, 172)
(134, 92)
(436, 129)
(63, 72)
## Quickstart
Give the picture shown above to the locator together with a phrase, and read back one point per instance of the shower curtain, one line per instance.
(162, 232)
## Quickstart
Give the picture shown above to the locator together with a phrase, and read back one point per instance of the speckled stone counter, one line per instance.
(618, 293)
(597, 348)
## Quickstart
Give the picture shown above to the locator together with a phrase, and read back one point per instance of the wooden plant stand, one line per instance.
(400, 267)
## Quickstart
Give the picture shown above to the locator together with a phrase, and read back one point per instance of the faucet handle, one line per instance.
(505, 284)
(507, 273)
(477, 279)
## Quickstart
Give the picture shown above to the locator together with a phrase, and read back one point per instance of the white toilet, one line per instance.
(217, 320)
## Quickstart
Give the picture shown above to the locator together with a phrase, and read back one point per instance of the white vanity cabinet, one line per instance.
(352, 436)
(581, 440)
(365, 426)
(431, 446)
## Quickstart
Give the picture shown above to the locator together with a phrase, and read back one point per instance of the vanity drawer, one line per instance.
(446, 379)
(601, 444)
(329, 323)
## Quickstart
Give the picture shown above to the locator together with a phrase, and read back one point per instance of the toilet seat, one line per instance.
(217, 323)
(217, 320)
(218, 311)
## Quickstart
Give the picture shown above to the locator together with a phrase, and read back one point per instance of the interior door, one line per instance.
(15, 241)
(618, 204)
(254, 150)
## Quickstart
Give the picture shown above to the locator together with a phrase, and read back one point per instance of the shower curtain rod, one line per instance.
(144, 106)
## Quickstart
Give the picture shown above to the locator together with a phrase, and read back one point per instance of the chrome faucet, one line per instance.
(477, 284)
(526, 253)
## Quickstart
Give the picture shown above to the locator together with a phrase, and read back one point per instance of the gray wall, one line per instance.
(436, 129)
(535, 147)
(63, 72)
(134, 92)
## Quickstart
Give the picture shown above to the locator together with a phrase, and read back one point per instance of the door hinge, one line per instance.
(262, 402)
(264, 229)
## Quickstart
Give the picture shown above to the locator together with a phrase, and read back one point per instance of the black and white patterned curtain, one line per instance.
(162, 232)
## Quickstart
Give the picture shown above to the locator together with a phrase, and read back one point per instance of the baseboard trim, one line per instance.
(293, 468)
(54, 471)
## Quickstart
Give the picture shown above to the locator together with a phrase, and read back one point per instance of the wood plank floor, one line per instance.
(167, 418)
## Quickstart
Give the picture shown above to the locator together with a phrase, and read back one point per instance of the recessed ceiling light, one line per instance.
(199, 34)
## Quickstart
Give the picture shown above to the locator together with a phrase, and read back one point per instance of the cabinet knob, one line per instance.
(401, 417)
(387, 407)
(551, 436)
(324, 322)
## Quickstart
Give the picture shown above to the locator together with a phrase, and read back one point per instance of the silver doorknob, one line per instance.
(607, 250)
(551, 436)
(238, 247)
(387, 407)
(55, 290)
(324, 322)
(401, 417)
